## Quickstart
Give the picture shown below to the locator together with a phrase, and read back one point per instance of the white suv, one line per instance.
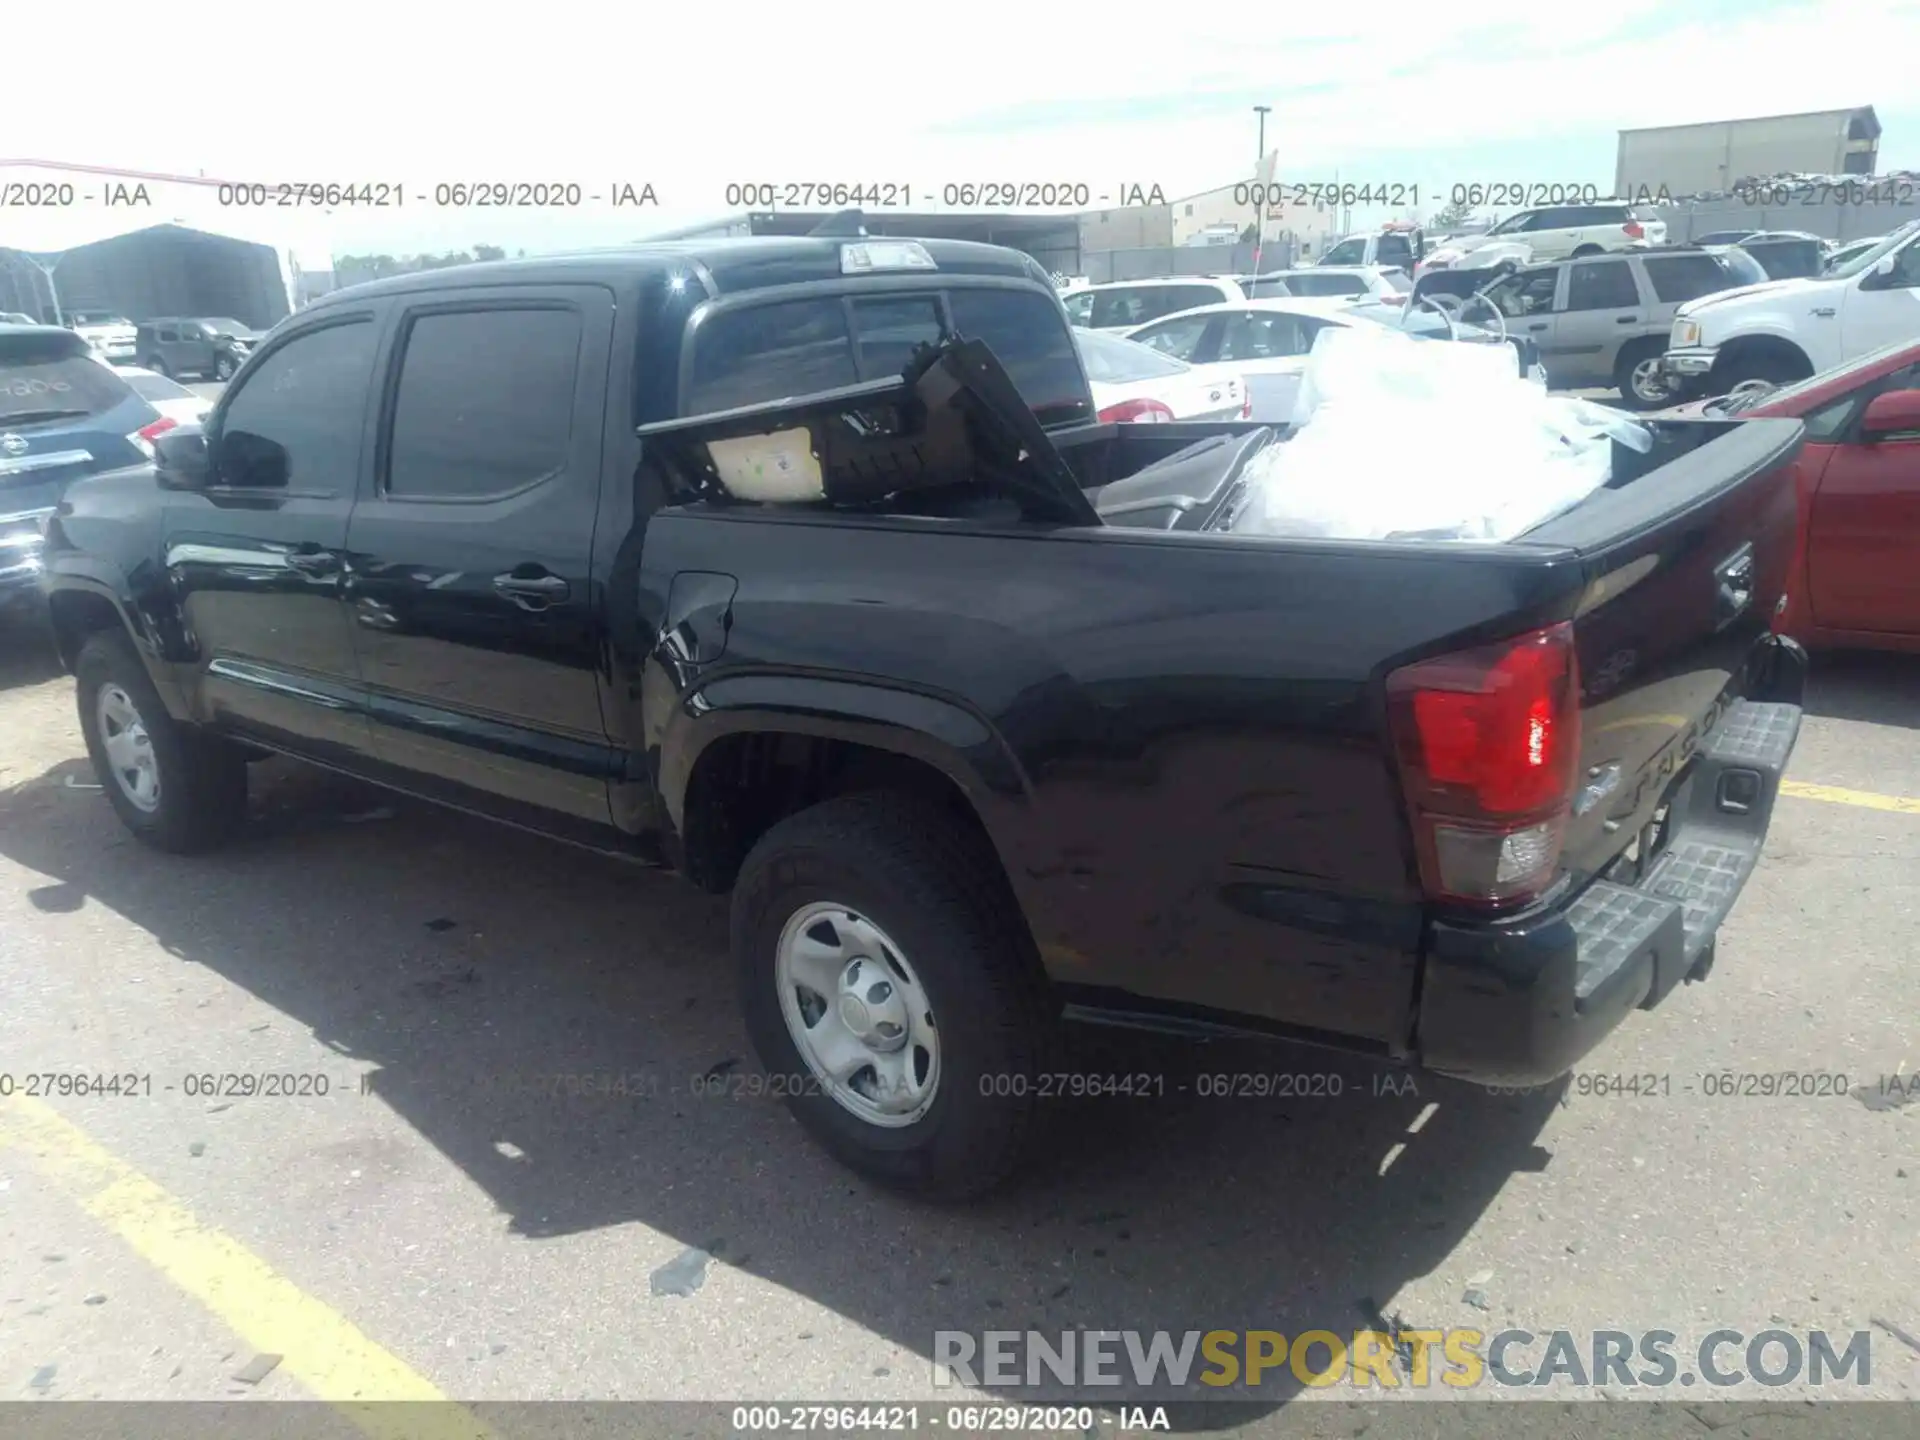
(1123, 304)
(1559, 232)
(1787, 330)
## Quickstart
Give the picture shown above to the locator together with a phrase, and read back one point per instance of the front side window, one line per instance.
(1269, 335)
(296, 421)
(1128, 305)
(1080, 308)
(485, 402)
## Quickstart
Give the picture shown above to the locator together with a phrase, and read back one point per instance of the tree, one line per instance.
(1453, 213)
(1250, 234)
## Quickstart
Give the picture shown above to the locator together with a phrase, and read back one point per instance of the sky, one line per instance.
(1515, 90)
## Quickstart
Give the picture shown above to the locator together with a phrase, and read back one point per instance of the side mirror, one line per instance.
(252, 461)
(1895, 413)
(181, 460)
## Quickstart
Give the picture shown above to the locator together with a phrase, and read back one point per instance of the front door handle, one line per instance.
(532, 592)
(1825, 312)
(1627, 320)
(1539, 325)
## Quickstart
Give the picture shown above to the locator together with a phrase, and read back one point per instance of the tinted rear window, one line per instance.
(764, 353)
(1787, 259)
(40, 384)
(157, 387)
(1327, 285)
(1111, 360)
(1686, 277)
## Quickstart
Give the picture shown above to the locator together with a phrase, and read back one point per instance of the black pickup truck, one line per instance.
(975, 705)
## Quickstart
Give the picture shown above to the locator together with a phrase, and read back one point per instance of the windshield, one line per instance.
(1513, 224)
(1111, 360)
(1347, 252)
(1861, 263)
(1744, 269)
(96, 317)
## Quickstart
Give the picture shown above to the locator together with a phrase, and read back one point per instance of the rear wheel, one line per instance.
(159, 367)
(1582, 251)
(1640, 377)
(172, 786)
(893, 994)
(224, 367)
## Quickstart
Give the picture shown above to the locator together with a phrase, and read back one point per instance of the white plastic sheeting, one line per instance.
(1400, 439)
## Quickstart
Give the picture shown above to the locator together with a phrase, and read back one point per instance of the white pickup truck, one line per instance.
(1786, 330)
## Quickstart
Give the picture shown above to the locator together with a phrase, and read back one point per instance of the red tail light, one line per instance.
(1633, 229)
(1489, 748)
(150, 433)
(1147, 411)
(1246, 406)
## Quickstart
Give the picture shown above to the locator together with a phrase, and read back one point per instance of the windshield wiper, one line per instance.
(34, 417)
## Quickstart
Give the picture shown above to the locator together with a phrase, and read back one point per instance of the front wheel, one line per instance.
(224, 367)
(158, 366)
(893, 994)
(173, 787)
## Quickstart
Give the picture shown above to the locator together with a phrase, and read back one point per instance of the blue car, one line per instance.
(63, 414)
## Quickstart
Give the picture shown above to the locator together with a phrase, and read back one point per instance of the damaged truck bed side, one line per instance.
(979, 710)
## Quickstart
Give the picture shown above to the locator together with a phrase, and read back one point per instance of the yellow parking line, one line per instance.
(1865, 799)
(319, 1346)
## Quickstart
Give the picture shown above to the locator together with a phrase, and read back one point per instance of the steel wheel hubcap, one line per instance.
(129, 749)
(857, 1014)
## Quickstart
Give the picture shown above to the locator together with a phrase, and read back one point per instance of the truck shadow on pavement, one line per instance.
(1876, 687)
(26, 655)
(471, 965)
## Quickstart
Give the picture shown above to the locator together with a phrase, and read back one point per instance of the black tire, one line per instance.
(224, 367)
(1583, 251)
(1775, 369)
(1631, 357)
(158, 366)
(936, 891)
(202, 791)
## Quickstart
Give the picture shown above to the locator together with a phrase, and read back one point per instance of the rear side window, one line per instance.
(1187, 297)
(1787, 259)
(1685, 277)
(1275, 288)
(39, 384)
(1394, 249)
(1601, 285)
(485, 402)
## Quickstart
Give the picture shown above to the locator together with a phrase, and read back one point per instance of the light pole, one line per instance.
(1259, 200)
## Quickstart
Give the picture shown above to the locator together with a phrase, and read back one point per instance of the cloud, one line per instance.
(1038, 91)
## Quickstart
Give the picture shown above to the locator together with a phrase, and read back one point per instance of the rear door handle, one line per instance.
(1627, 320)
(1539, 325)
(532, 592)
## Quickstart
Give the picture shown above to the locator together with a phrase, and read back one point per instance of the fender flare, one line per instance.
(73, 573)
(952, 738)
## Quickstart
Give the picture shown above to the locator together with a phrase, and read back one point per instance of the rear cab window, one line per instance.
(756, 353)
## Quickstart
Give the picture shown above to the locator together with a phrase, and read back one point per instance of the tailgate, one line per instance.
(1684, 567)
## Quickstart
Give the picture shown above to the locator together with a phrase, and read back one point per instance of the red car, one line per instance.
(1856, 570)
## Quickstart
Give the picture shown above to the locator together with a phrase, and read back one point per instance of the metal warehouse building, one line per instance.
(1713, 158)
(139, 244)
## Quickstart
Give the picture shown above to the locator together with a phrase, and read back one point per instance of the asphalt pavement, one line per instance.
(513, 1150)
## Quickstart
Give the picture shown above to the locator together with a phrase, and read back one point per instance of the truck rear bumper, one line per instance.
(1518, 1003)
